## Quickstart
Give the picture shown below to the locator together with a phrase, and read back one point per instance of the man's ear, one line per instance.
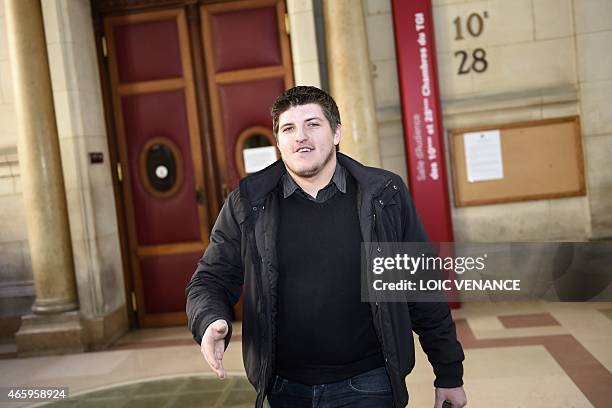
(338, 135)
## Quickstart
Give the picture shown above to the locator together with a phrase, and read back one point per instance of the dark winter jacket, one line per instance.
(242, 254)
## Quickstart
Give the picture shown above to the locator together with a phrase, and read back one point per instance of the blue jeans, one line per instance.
(371, 389)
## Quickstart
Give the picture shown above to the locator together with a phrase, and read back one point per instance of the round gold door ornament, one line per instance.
(161, 167)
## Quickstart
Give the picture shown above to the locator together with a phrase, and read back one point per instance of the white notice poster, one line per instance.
(483, 157)
(258, 158)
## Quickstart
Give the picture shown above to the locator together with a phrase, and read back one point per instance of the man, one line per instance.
(290, 235)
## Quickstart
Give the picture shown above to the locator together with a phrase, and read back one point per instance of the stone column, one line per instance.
(55, 324)
(350, 79)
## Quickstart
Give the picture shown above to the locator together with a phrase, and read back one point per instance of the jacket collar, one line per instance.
(258, 185)
(371, 180)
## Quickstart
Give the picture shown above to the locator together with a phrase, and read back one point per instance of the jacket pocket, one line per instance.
(279, 385)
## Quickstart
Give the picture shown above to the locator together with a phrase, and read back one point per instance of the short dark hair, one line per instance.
(303, 95)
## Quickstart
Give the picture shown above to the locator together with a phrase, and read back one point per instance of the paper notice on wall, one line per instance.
(483, 156)
(258, 158)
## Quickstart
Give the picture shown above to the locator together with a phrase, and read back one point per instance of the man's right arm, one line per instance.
(216, 284)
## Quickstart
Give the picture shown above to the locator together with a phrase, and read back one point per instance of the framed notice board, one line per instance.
(517, 162)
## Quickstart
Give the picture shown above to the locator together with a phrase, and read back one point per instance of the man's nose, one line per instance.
(300, 134)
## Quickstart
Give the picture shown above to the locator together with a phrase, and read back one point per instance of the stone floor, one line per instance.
(187, 392)
(540, 355)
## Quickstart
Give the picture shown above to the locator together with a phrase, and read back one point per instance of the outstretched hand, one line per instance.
(213, 346)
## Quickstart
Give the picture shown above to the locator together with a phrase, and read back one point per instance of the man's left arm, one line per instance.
(434, 324)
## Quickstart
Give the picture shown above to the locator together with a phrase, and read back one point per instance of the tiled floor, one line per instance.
(182, 391)
(517, 355)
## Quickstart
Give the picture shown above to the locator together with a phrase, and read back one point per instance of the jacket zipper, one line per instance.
(259, 282)
(267, 312)
(378, 308)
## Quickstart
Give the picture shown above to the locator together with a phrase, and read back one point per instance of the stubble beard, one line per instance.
(316, 168)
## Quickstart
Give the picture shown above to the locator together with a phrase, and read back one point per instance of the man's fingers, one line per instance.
(213, 354)
(219, 349)
(450, 398)
(217, 355)
(215, 363)
(213, 346)
(207, 350)
(213, 351)
(439, 401)
(220, 371)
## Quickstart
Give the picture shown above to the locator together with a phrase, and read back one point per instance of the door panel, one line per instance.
(138, 55)
(158, 136)
(161, 118)
(162, 295)
(229, 30)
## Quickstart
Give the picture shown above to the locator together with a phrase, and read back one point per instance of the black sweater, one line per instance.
(325, 332)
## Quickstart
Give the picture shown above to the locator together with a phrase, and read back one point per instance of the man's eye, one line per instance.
(287, 129)
(313, 124)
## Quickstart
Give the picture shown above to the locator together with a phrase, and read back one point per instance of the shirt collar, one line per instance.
(339, 179)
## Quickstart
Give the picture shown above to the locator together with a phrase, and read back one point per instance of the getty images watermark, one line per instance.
(511, 271)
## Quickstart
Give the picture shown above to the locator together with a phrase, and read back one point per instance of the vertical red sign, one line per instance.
(424, 140)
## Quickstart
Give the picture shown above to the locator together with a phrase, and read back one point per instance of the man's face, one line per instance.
(306, 140)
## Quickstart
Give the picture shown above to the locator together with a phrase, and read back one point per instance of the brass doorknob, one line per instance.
(200, 196)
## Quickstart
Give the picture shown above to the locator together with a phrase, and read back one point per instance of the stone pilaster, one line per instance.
(54, 326)
(350, 79)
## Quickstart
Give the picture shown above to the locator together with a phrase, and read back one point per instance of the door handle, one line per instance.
(224, 191)
(200, 196)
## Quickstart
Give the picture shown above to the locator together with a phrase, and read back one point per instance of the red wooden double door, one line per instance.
(191, 86)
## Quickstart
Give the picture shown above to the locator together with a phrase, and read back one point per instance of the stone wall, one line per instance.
(89, 190)
(546, 59)
(16, 284)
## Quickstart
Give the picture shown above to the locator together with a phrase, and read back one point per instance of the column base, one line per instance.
(50, 334)
(101, 332)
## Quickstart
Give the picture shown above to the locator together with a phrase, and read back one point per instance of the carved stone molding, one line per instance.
(114, 6)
